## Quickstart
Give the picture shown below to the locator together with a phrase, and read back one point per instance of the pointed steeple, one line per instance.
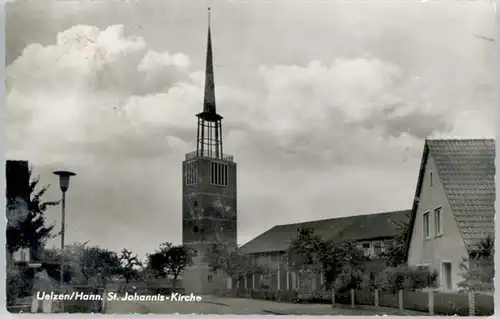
(209, 99)
(209, 137)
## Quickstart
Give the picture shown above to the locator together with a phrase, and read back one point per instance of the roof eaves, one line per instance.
(416, 198)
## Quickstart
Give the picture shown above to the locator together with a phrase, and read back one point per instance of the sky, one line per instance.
(326, 104)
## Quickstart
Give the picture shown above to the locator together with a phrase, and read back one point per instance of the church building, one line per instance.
(209, 191)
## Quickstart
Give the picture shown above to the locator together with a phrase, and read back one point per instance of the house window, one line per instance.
(426, 225)
(430, 179)
(438, 230)
(219, 174)
(209, 278)
(366, 248)
(265, 280)
(262, 260)
(377, 248)
(191, 173)
(384, 245)
(273, 258)
(23, 256)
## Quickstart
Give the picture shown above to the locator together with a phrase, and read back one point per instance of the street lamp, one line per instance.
(64, 177)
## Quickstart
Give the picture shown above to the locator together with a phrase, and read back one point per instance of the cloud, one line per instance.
(79, 85)
(363, 90)
(108, 92)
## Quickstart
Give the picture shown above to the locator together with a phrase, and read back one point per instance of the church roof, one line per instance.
(354, 228)
(466, 169)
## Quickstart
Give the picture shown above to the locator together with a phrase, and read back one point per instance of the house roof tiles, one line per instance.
(466, 168)
(467, 171)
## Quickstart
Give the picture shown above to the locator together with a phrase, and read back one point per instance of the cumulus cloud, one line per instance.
(80, 86)
(363, 90)
(105, 85)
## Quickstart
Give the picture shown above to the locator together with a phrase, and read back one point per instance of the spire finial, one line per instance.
(209, 17)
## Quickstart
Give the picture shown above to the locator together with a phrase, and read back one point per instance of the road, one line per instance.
(240, 306)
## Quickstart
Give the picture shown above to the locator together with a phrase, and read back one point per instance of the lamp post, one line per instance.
(64, 185)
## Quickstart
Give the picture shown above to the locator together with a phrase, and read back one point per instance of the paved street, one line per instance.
(237, 306)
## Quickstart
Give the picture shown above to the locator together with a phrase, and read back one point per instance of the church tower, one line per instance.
(208, 191)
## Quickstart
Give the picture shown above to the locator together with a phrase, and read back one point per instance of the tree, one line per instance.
(405, 277)
(83, 263)
(478, 270)
(395, 250)
(342, 263)
(232, 261)
(486, 249)
(28, 231)
(170, 260)
(99, 263)
(130, 265)
(305, 252)
(347, 265)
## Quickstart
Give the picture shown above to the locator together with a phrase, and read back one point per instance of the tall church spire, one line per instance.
(209, 137)
(209, 99)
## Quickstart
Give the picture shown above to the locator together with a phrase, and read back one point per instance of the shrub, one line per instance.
(368, 281)
(19, 283)
(364, 297)
(484, 305)
(82, 306)
(287, 295)
(393, 279)
(343, 298)
(450, 304)
(477, 275)
(416, 300)
(321, 297)
(272, 295)
(388, 299)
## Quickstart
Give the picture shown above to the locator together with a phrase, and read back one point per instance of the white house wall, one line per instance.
(448, 247)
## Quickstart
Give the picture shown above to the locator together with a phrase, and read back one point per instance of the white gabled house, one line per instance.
(454, 206)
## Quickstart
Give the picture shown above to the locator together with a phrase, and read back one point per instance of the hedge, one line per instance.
(450, 304)
(416, 300)
(282, 295)
(343, 298)
(485, 305)
(387, 299)
(365, 297)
